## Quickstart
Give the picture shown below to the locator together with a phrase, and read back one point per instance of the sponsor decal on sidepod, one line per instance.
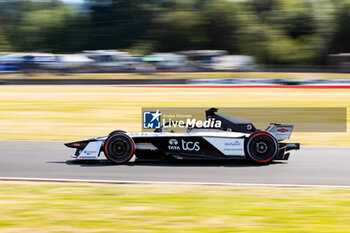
(232, 146)
(185, 145)
(227, 146)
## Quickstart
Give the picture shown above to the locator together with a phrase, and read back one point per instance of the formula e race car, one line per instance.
(236, 138)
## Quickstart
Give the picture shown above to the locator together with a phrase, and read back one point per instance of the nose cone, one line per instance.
(77, 144)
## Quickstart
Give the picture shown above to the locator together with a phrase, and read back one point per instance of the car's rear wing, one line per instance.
(280, 131)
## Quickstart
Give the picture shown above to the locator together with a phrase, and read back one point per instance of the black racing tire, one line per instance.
(261, 147)
(118, 131)
(119, 148)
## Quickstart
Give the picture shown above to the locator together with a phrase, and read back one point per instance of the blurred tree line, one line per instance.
(274, 31)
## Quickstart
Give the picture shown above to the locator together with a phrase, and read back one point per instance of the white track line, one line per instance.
(168, 182)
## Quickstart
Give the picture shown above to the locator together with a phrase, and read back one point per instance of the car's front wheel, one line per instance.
(261, 147)
(118, 131)
(119, 148)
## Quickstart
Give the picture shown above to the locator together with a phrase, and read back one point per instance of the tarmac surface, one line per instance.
(329, 166)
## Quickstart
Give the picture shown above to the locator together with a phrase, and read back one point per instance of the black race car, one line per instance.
(236, 138)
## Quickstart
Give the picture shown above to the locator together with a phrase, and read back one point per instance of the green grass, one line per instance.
(77, 112)
(171, 75)
(53, 207)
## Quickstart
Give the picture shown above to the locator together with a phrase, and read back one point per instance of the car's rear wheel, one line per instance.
(119, 148)
(261, 147)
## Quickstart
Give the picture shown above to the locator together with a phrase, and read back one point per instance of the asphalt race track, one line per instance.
(308, 166)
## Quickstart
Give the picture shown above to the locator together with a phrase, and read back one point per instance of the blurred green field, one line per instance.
(55, 207)
(180, 75)
(77, 112)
